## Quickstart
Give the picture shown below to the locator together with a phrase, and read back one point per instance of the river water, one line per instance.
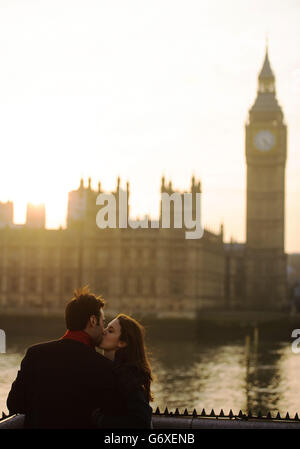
(244, 374)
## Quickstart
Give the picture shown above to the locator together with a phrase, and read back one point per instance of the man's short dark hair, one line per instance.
(81, 307)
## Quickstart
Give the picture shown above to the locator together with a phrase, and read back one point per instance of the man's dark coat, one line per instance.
(61, 383)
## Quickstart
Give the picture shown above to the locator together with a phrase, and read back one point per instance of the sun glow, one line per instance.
(50, 195)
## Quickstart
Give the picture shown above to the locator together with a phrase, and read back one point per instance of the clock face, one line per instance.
(264, 140)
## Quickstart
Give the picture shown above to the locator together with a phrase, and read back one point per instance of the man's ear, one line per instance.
(93, 320)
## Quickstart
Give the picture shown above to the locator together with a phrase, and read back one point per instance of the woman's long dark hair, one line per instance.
(132, 332)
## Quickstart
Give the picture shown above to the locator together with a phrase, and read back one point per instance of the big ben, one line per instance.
(266, 153)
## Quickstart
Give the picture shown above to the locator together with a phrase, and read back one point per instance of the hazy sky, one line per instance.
(141, 89)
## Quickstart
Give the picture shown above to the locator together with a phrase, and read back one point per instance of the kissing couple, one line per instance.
(68, 383)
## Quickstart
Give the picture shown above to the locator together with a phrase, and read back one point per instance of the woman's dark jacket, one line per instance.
(136, 412)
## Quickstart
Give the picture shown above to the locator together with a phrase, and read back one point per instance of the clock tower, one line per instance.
(266, 151)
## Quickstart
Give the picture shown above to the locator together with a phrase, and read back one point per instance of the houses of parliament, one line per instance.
(157, 271)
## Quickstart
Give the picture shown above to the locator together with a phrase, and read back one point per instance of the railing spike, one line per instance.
(3, 415)
(278, 416)
(212, 413)
(231, 414)
(177, 412)
(203, 413)
(166, 412)
(221, 413)
(287, 416)
(157, 411)
(195, 413)
(186, 413)
(240, 415)
(296, 417)
(269, 416)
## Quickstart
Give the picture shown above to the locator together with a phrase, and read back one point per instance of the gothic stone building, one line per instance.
(157, 271)
(145, 271)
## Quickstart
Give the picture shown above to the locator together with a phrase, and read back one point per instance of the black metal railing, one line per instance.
(211, 420)
(231, 415)
(194, 420)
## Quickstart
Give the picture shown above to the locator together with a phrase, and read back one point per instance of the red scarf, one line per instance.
(81, 336)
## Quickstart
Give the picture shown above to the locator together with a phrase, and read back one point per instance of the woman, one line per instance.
(123, 343)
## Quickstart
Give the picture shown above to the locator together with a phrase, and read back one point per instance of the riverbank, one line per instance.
(212, 325)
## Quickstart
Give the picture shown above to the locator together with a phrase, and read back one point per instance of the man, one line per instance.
(62, 382)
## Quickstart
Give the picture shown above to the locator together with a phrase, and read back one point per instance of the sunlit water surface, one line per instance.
(239, 375)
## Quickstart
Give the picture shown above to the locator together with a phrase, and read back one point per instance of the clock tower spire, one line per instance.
(266, 150)
(266, 78)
